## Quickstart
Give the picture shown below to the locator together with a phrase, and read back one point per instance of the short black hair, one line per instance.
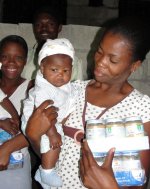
(136, 30)
(16, 39)
(54, 12)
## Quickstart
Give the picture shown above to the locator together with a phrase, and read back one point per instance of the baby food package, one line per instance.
(16, 160)
(129, 139)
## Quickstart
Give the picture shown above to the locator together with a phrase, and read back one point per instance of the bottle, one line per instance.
(117, 162)
(134, 127)
(133, 172)
(131, 159)
(95, 129)
(115, 127)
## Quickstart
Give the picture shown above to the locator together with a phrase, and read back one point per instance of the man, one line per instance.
(47, 25)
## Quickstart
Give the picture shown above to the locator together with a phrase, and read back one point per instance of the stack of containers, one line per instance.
(126, 165)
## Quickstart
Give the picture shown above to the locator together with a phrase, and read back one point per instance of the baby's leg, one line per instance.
(48, 173)
(49, 159)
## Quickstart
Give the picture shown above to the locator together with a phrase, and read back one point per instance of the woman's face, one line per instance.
(13, 59)
(113, 59)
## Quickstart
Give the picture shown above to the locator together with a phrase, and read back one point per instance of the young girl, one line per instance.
(52, 82)
(7, 111)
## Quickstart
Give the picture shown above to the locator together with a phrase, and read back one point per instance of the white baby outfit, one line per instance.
(64, 98)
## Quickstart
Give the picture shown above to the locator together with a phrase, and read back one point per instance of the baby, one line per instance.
(52, 82)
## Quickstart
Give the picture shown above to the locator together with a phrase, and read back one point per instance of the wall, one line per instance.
(85, 40)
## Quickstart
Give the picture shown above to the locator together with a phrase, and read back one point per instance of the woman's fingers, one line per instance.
(51, 112)
(87, 159)
(44, 105)
(88, 154)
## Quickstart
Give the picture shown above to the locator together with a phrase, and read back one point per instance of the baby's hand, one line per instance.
(55, 140)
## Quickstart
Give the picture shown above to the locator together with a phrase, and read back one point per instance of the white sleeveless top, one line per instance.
(17, 99)
(19, 95)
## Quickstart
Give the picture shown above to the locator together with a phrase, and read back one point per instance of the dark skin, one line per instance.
(13, 59)
(113, 66)
(57, 70)
(45, 27)
(89, 168)
(41, 116)
(8, 106)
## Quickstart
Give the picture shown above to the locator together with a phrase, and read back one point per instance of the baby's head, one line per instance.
(56, 60)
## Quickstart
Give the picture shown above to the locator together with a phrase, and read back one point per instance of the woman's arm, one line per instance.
(14, 144)
(8, 106)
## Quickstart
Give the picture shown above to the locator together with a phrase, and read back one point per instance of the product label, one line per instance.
(115, 131)
(16, 160)
(4, 136)
(133, 164)
(117, 164)
(94, 133)
(131, 177)
(134, 130)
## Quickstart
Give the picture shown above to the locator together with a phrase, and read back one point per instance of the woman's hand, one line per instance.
(9, 126)
(43, 118)
(94, 176)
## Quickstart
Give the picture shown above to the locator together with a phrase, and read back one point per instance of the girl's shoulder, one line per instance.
(31, 84)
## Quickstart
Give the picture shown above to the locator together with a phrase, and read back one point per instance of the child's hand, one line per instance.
(9, 126)
(55, 140)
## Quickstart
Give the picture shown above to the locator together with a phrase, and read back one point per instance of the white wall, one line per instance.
(83, 38)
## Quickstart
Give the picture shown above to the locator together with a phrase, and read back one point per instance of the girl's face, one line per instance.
(13, 59)
(113, 59)
(57, 69)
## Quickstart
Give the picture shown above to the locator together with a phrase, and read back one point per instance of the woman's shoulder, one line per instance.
(80, 83)
(139, 95)
(138, 99)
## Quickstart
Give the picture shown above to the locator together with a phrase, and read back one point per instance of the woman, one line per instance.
(122, 49)
(13, 55)
(92, 175)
